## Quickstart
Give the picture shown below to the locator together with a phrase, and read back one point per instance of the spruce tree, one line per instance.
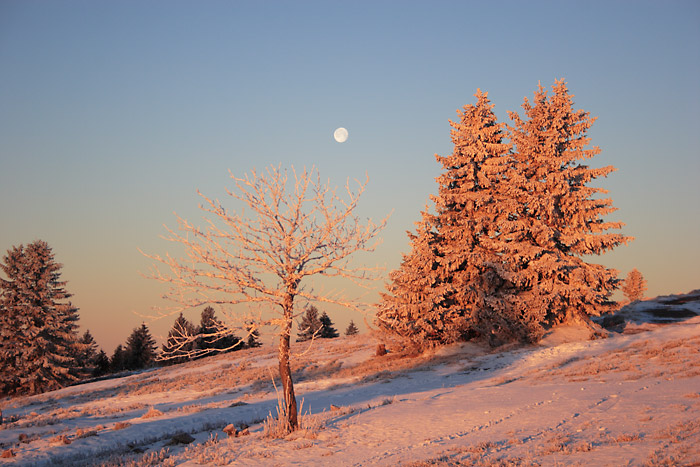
(559, 217)
(253, 339)
(140, 351)
(409, 308)
(351, 330)
(87, 353)
(117, 362)
(101, 366)
(310, 324)
(212, 335)
(180, 345)
(38, 331)
(441, 291)
(634, 286)
(327, 329)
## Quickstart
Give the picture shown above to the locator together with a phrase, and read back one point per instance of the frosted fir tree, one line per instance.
(179, 346)
(327, 329)
(38, 331)
(310, 325)
(140, 350)
(351, 330)
(440, 292)
(559, 217)
(409, 309)
(634, 286)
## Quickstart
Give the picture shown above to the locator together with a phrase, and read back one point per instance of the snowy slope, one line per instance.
(631, 399)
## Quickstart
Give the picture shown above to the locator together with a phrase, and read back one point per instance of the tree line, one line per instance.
(41, 349)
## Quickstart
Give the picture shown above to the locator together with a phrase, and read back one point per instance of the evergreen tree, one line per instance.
(101, 365)
(441, 291)
(559, 217)
(351, 330)
(117, 362)
(140, 351)
(38, 331)
(180, 346)
(327, 329)
(634, 286)
(253, 339)
(410, 308)
(88, 352)
(212, 335)
(310, 324)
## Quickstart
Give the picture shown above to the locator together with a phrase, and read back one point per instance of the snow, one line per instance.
(630, 399)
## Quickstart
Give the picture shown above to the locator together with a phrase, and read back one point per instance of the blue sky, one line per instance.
(112, 115)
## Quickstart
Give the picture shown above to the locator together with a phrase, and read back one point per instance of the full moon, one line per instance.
(340, 135)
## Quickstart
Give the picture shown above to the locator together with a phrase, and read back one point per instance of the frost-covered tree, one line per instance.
(409, 308)
(140, 350)
(441, 289)
(559, 217)
(298, 231)
(38, 331)
(327, 329)
(351, 330)
(634, 286)
(180, 345)
(310, 325)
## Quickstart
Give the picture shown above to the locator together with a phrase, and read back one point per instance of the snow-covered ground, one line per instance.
(630, 399)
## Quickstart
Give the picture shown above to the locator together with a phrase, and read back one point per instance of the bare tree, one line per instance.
(296, 228)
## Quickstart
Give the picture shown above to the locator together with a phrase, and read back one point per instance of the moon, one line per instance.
(340, 135)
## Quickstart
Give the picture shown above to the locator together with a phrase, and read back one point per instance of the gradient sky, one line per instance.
(112, 114)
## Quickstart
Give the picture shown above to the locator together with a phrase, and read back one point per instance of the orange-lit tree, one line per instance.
(441, 290)
(634, 286)
(297, 229)
(558, 221)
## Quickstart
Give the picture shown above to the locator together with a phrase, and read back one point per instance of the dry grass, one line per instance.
(152, 413)
(672, 359)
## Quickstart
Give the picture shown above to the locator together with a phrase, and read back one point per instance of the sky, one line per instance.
(113, 114)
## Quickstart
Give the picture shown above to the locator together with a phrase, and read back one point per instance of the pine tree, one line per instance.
(441, 291)
(559, 217)
(38, 331)
(101, 366)
(351, 330)
(212, 335)
(327, 329)
(310, 324)
(117, 362)
(634, 286)
(180, 345)
(140, 350)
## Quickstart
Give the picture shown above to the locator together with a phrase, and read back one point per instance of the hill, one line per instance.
(630, 399)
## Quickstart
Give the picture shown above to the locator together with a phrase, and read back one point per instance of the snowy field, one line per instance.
(630, 399)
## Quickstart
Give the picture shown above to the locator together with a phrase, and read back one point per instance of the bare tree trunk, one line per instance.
(285, 371)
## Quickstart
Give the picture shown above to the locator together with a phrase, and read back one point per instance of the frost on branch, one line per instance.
(296, 227)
